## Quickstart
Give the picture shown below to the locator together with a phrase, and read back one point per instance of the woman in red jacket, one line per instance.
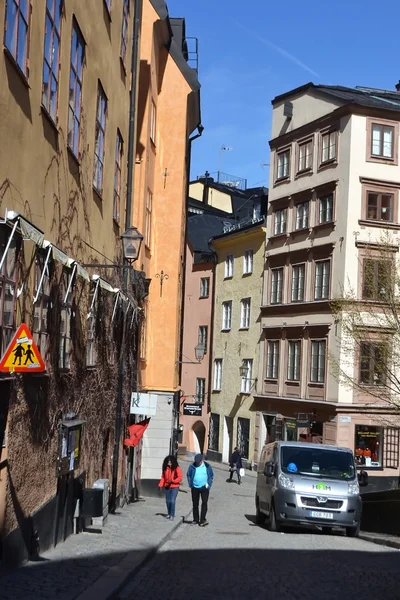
(170, 479)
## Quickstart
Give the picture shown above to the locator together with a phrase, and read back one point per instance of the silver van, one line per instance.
(309, 484)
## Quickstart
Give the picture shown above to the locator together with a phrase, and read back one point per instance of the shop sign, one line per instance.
(193, 410)
(143, 404)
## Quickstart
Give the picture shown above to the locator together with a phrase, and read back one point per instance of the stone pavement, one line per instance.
(93, 565)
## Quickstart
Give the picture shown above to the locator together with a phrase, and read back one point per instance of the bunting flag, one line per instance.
(136, 432)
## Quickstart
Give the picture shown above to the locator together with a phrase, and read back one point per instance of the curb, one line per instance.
(380, 541)
(110, 583)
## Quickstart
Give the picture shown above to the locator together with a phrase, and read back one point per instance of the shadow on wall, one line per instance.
(231, 573)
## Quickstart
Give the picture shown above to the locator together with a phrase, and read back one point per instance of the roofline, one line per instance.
(237, 232)
(293, 92)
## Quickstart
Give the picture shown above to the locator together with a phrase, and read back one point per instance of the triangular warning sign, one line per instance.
(22, 354)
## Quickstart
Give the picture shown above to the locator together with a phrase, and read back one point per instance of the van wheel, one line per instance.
(273, 524)
(260, 517)
(353, 532)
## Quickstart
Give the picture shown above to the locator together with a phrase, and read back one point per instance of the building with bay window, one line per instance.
(333, 199)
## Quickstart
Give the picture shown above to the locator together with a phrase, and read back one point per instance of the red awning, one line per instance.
(136, 432)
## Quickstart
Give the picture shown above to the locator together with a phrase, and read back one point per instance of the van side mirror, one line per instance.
(268, 469)
(362, 478)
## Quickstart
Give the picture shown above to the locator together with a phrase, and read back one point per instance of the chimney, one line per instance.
(206, 180)
(397, 86)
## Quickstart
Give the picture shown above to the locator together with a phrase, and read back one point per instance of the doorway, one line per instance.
(199, 437)
(227, 441)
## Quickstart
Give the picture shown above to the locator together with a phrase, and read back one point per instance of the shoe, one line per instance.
(203, 523)
(168, 517)
(194, 522)
(171, 518)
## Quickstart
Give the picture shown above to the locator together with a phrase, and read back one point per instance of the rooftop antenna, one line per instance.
(221, 150)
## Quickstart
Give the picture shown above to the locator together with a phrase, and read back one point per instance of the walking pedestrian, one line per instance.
(200, 477)
(171, 477)
(235, 465)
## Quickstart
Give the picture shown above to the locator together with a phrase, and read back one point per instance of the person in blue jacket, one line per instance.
(200, 477)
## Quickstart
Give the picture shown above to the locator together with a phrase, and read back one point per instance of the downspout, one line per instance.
(135, 61)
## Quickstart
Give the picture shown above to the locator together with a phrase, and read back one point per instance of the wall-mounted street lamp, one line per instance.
(131, 244)
(243, 371)
(199, 352)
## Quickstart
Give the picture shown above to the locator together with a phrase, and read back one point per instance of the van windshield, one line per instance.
(317, 462)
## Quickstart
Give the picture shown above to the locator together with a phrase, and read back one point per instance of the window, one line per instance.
(373, 363)
(16, 37)
(203, 336)
(280, 221)
(317, 374)
(75, 88)
(305, 156)
(124, 30)
(368, 445)
(243, 436)
(326, 209)
(153, 122)
(229, 266)
(294, 361)
(298, 276)
(377, 279)
(302, 214)
(213, 443)
(245, 313)
(42, 303)
(91, 354)
(100, 133)
(149, 212)
(276, 285)
(283, 164)
(272, 359)
(8, 288)
(248, 262)
(227, 315)
(51, 60)
(257, 211)
(217, 374)
(200, 390)
(322, 280)
(117, 178)
(66, 317)
(245, 387)
(328, 146)
(391, 447)
(204, 287)
(379, 206)
(382, 139)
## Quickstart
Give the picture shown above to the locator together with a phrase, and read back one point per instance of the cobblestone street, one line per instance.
(231, 558)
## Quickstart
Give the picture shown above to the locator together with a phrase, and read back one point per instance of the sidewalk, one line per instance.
(382, 539)
(92, 566)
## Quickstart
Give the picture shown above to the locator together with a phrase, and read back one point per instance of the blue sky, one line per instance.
(251, 51)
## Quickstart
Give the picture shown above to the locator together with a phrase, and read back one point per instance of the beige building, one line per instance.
(334, 186)
(239, 270)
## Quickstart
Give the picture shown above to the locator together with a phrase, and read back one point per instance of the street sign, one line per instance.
(22, 354)
(193, 410)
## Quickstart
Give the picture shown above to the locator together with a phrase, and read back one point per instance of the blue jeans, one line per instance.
(170, 498)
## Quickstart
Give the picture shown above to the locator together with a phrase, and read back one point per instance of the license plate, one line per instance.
(317, 514)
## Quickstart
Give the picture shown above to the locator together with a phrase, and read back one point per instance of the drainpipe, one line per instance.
(135, 63)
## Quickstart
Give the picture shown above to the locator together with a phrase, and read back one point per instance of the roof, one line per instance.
(363, 96)
(207, 208)
(200, 228)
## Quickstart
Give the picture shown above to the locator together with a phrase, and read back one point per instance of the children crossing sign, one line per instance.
(22, 354)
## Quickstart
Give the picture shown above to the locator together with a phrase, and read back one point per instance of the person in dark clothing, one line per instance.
(235, 465)
(200, 477)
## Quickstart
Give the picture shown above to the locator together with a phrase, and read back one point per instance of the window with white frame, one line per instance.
(276, 285)
(229, 260)
(217, 374)
(75, 88)
(204, 287)
(322, 279)
(91, 354)
(66, 317)
(99, 140)
(245, 387)
(283, 164)
(328, 146)
(272, 359)
(203, 335)
(294, 360)
(227, 315)
(16, 32)
(280, 221)
(41, 300)
(200, 390)
(257, 210)
(305, 156)
(248, 262)
(51, 56)
(382, 141)
(298, 276)
(124, 29)
(318, 352)
(302, 215)
(117, 177)
(149, 216)
(326, 208)
(245, 313)
(153, 122)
